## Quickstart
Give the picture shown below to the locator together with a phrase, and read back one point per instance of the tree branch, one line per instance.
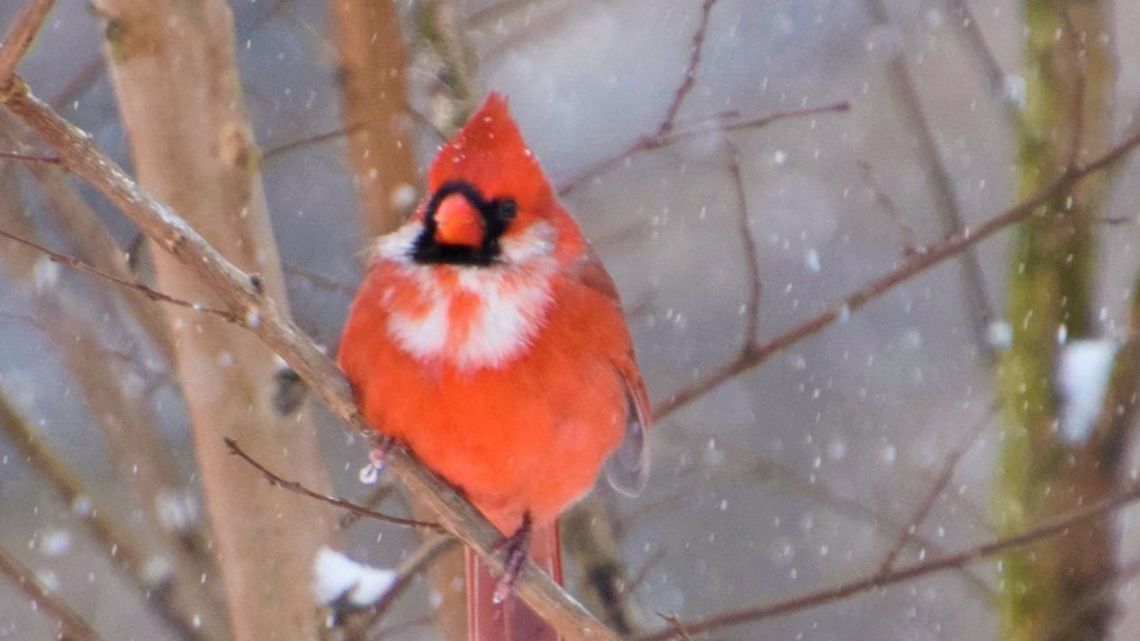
(825, 596)
(690, 76)
(343, 504)
(97, 521)
(701, 126)
(924, 259)
(244, 294)
(145, 290)
(19, 38)
(946, 202)
(923, 510)
(72, 626)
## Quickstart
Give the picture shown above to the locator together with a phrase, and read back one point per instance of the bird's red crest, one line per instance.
(490, 153)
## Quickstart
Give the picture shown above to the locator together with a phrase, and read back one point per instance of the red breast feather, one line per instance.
(514, 380)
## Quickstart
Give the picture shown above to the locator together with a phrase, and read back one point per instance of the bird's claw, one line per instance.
(516, 545)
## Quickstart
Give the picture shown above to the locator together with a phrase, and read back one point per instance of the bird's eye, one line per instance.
(506, 208)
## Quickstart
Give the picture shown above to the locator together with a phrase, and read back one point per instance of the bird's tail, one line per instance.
(511, 620)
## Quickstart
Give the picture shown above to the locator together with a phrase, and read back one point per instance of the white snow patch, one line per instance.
(177, 510)
(999, 334)
(339, 577)
(1083, 371)
(46, 274)
(156, 571)
(811, 260)
(1013, 90)
(55, 543)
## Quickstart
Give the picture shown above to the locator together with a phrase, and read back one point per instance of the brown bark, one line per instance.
(175, 75)
(130, 429)
(374, 101)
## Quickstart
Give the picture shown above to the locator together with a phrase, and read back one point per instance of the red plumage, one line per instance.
(488, 338)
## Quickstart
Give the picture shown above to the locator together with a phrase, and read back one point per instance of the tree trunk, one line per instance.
(374, 99)
(1052, 591)
(175, 75)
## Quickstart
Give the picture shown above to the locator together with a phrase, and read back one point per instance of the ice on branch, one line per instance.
(1083, 371)
(340, 580)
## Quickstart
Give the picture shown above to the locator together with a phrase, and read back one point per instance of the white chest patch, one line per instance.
(475, 317)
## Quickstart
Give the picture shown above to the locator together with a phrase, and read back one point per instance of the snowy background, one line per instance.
(796, 475)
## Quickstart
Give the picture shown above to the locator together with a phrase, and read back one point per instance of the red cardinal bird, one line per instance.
(488, 338)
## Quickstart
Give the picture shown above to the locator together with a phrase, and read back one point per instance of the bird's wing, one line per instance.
(627, 469)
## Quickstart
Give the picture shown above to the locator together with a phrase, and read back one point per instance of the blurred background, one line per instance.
(875, 442)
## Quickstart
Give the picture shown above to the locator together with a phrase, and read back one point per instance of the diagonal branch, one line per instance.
(948, 466)
(1095, 511)
(244, 294)
(946, 201)
(353, 508)
(145, 290)
(702, 126)
(919, 263)
(751, 254)
(99, 523)
(690, 77)
(19, 37)
(72, 626)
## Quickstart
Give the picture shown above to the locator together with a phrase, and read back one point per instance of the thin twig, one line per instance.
(702, 126)
(417, 562)
(678, 626)
(20, 36)
(122, 549)
(906, 535)
(370, 500)
(642, 575)
(751, 255)
(72, 626)
(311, 139)
(1053, 527)
(690, 76)
(923, 260)
(294, 486)
(243, 292)
(906, 233)
(946, 202)
(149, 292)
(995, 75)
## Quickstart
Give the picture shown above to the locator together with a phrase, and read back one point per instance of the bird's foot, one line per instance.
(516, 545)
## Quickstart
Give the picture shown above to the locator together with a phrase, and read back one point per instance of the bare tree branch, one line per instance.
(945, 198)
(702, 126)
(21, 33)
(245, 295)
(923, 260)
(97, 521)
(751, 614)
(906, 233)
(936, 488)
(294, 486)
(72, 626)
(149, 292)
(995, 75)
(373, 83)
(690, 77)
(416, 563)
(751, 255)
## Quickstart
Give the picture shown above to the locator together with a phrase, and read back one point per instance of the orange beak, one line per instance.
(458, 222)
